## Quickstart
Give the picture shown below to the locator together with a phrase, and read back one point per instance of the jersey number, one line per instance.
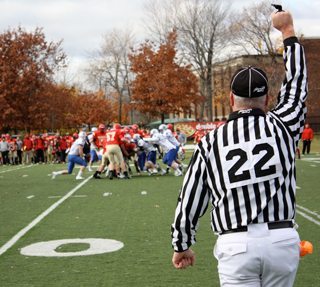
(111, 136)
(259, 172)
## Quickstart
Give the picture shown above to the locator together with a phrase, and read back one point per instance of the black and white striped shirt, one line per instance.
(246, 168)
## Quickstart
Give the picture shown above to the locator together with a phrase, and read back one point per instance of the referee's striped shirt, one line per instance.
(246, 168)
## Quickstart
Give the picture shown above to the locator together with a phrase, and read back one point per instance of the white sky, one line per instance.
(81, 23)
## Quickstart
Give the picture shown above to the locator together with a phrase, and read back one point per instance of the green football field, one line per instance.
(117, 233)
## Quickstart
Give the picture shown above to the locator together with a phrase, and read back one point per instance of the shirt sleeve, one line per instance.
(192, 203)
(291, 108)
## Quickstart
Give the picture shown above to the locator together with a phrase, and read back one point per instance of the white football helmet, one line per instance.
(94, 129)
(82, 135)
(136, 136)
(153, 132)
(162, 127)
(127, 136)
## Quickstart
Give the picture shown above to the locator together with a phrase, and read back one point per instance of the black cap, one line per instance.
(249, 82)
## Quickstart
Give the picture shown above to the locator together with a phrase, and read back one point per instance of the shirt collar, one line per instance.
(246, 113)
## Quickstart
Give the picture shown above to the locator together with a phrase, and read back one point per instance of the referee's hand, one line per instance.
(283, 22)
(181, 260)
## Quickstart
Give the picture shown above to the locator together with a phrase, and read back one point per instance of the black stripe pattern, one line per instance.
(246, 168)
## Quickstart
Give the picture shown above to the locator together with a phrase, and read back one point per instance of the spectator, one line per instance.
(39, 150)
(19, 144)
(307, 136)
(62, 146)
(13, 149)
(27, 150)
(5, 148)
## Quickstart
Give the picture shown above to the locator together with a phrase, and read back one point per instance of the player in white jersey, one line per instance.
(75, 156)
(168, 148)
(94, 151)
(172, 139)
(151, 151)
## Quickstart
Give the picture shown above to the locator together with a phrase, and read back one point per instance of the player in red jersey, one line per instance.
(113, 153)
(99, 135)
(128, 150)
(39, 145)
(198, 136)
(13, 149)
(96, 143)
(135, 130)
(69, 140)
(49, 140)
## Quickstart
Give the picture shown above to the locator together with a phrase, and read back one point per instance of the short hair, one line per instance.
(250, 103)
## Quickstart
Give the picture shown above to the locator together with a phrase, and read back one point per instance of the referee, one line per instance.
(246, 169)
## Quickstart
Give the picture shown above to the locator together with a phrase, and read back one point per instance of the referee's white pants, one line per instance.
(258, 257)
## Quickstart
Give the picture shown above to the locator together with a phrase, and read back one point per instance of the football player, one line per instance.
(75, 156)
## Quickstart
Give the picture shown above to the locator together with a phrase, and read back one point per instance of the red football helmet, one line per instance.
(117, 126)
(126, 129)
(170, 127)
(75, 136)
(8, 136)
(102, 127)
(135, 127)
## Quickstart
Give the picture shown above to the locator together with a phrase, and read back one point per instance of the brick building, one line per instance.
(312, 51)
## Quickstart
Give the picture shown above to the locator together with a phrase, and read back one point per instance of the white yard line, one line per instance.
(22, 232)
(21, 167)
(308, 217)
(308, 210)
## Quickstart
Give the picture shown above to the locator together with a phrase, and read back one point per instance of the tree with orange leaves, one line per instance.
(161, 85)
(93, 109)
(27, 63)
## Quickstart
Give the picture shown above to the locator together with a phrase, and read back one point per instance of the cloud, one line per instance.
(81, 23)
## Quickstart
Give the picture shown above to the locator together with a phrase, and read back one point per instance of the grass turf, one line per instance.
(119, 210)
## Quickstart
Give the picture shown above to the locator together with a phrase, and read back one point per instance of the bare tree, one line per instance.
(201, 26)
(108, 66)
(251, 29)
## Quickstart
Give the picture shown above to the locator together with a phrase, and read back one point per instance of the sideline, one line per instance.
(13, 169)
(23, 231)
(307, 216)
(308, 210)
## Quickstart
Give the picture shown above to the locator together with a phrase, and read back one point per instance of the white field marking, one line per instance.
(22, 167)
(298, 187)
(25, 175)
(143, 192)
(31, 196)
(107, 194)
(310, 159)
(308, 210)
(48, 249)
(23, 231)
(58, 196)
(308, 217)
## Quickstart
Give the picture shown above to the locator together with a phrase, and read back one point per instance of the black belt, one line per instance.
(271, 225)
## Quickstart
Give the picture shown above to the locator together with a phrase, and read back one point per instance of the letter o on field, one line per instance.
(47, 248)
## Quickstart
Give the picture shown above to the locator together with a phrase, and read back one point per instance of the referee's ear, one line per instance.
(231, 99)
(267, 99)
